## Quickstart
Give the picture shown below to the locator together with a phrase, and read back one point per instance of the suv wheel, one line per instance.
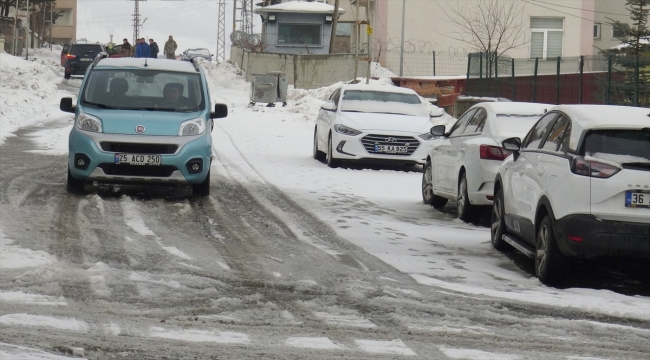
(550, 263)
(428, 196)
(202, 189)
(466, 211)
(74, 186)
(318, 155)
(498, 223)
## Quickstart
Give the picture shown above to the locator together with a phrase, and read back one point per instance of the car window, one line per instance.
(558, 133)
(459, 126)
(475, 125)
(335, 97)
(85, 49)
(536, 134)
(620, 146)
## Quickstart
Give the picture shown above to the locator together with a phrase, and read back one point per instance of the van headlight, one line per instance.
(88, 123)
(192, 127)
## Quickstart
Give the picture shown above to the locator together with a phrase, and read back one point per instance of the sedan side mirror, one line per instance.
(438, 130)
(512, 144)
(436, 112)
(329, 106)
(66, 105)
(220, 111)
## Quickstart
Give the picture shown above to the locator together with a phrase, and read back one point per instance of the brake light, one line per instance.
(575, 238)
(596, 169)
(488, 152)
(70, 56)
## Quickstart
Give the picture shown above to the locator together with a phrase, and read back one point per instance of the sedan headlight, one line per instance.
(89, 123)
(192, 127)
(427, 136)
(342, 129)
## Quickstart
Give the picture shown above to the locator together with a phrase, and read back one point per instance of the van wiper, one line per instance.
(102, 106)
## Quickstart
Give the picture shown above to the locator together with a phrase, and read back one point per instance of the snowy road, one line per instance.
(286, 259)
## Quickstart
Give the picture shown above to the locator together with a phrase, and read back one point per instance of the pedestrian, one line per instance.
(142, 49)
(153, 49)
(126, 48)
(170, 48)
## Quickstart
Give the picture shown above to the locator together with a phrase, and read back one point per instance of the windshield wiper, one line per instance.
(102, 106)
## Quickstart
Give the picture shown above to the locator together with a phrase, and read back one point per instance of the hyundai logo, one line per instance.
(390, 140)
(139, 129)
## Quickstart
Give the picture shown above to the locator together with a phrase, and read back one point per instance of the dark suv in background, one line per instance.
(79, 57)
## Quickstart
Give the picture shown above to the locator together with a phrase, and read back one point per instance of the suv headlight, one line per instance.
(342, 129)
(192, 127)
(89, 123)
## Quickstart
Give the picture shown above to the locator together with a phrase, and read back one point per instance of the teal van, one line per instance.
(141, 121)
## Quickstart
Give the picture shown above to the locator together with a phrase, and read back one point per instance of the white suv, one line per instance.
(578, 185)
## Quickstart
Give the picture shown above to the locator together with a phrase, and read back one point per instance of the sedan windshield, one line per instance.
(144, 90)
(383, 102)
(620, 146)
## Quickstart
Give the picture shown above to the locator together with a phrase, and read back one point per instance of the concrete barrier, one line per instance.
(2, 43)
(303, 71)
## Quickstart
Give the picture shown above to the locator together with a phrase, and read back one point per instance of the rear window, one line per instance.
(85, 49)
(619, 145)
(511, 123)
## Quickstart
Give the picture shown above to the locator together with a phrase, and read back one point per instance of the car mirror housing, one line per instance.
(438, 130)
(436, 112)
(329, 106)
(66, 105)
(220, 111)
(512, 144)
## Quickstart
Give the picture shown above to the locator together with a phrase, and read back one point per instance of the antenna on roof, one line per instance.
(145, 62)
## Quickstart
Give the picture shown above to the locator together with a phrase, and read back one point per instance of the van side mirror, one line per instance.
(438, 130)
(512, 144)
(66, 105)
(220, 111)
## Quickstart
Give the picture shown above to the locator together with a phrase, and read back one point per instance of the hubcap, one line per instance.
(461, 196)
(542, 249)
(315, 143)
(329, 150)
(427, 186)
(496, 216)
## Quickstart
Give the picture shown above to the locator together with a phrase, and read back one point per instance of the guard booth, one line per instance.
(269, 88)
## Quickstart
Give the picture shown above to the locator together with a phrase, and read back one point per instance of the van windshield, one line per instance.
(144, 90)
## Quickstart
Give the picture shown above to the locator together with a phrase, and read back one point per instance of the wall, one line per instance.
(304, 71)
(271, 35)
(614, 10)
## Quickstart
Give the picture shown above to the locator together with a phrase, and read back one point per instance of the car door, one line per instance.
(441, 152)
(458, 147)
(522, 190)
(325, 119)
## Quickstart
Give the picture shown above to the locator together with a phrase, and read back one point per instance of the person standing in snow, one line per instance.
(153, 49)
(126, 48)
(142, 49)
(170, 48)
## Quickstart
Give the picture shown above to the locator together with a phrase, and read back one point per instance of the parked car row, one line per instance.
(576, 186)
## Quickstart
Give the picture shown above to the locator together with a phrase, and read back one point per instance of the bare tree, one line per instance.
(491, 27)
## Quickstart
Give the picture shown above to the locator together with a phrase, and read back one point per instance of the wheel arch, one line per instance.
(543, 208)
(497, 184)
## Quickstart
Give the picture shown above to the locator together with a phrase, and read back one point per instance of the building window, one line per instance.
(596, 31)
(546, 37)
(618, 31)
(299, 34)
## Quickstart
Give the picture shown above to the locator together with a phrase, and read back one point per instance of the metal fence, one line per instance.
(419, 63)
(599, 79)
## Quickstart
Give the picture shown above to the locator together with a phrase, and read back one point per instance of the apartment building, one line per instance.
(64, 30)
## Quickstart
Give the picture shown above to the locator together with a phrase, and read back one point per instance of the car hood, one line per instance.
(154, 122)
(386, 122)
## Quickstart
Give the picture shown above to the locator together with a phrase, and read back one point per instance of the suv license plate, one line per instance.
(86, 59)
(637, 198)
(391, 149)
(137, 159)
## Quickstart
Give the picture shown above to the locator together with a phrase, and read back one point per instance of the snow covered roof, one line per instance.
(299, 7)
(152, 64)
(515, 108)
(378, 87)
(587, 117)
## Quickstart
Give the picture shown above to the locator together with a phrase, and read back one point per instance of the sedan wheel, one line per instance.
(318, 155)
(428, 196)
(550, 263)
(466, 211)
(331, 162)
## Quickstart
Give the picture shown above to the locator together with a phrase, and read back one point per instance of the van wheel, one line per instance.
(498, 223)
(202, 189)
(74, 186)
(550, 263)
(428, 197)
(466, 211)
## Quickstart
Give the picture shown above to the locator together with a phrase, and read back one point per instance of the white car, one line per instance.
(373, 123)
(578, 185)
(463, 163)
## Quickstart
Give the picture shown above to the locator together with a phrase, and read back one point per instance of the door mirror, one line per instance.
(220, 111)
(438, 130)
(512, 144)
(66, 105)
(329, 106)
(436, 112)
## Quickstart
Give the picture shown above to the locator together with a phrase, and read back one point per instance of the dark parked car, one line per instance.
(79, 57)
(190, 54)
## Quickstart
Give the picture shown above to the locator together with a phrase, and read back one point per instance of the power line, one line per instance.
(575, 8)
(562, 12)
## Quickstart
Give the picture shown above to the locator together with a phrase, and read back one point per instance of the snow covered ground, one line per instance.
(272, 146)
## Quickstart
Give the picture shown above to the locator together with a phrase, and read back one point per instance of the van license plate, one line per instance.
(137, 159)
(637, 198)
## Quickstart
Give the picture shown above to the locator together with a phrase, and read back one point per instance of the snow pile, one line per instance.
(224, 74)
(28, 90)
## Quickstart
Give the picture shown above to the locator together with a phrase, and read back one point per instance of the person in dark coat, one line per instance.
(126, 48)
(142, 49)
(153, 49)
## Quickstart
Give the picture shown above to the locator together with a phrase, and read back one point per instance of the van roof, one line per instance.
(151, 64)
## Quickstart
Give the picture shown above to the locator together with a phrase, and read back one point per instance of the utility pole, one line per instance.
(245, 13)
(356, 44)
(136, 21)
(51, 22)
(27, 33)
(15, 25)
(335, 21)
(221, 32)
(401, 51)
(369, 32)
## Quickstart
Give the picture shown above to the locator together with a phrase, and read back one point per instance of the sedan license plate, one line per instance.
(637, 199)
(391, 149)
(86, 59)
(137, 159)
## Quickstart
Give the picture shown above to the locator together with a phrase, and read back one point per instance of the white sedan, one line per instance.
(373, 123)
(464, 162)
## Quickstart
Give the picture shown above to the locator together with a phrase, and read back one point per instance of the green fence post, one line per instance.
(582, 68)
(513, 78)
(496, 76)
(535, 80)
(609, 80)
(636, 81)
(480, 74)
(469, 62)
(557, 83)
(434, 63)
